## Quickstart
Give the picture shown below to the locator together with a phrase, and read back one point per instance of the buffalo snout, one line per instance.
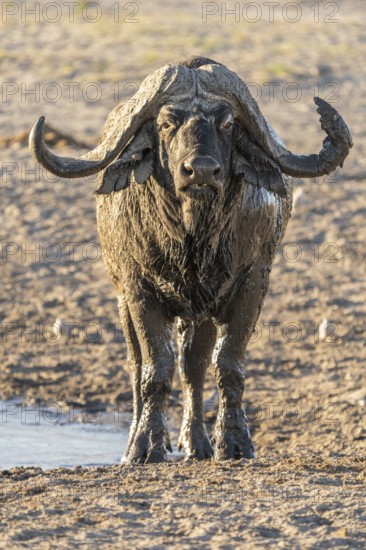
(201, 171)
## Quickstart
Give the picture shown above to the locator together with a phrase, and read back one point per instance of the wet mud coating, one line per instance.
(194, 196)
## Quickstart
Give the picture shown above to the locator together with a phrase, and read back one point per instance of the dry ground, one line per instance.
(305, 394)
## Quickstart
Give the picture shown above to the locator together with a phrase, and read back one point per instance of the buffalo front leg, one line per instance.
(197, 343)
(231, 434)
(150, 440)
(135, 366)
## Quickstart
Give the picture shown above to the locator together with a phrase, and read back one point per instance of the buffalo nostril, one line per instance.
(187, 168)
(216, 171)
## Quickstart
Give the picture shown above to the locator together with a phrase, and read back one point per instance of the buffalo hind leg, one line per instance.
(150, 440)
(197, 343)
(231, 434)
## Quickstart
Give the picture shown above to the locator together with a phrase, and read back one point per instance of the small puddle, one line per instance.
(56, 435)
(49, 437)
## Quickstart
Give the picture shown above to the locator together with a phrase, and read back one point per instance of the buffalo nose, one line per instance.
(202, 169)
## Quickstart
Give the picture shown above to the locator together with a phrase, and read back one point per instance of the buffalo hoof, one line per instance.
(194, 441)
(144, 456)
(151, 441)
(232, 437)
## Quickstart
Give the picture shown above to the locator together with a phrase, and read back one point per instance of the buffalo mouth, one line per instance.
(201, 190)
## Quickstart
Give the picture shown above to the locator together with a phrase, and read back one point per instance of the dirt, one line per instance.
(280, 501)
(61, 339)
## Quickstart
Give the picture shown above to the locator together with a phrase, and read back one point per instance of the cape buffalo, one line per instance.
(194, 197)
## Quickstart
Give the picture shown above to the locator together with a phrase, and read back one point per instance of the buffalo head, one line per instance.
(195, 144)
(196, 125)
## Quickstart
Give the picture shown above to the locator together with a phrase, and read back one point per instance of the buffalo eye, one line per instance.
(227, 125)
(170, 124)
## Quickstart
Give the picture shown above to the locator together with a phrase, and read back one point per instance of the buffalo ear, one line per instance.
(254, 166)
(135, 163)
(144, 168)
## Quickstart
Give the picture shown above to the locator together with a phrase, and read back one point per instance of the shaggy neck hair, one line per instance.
(199, 221)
